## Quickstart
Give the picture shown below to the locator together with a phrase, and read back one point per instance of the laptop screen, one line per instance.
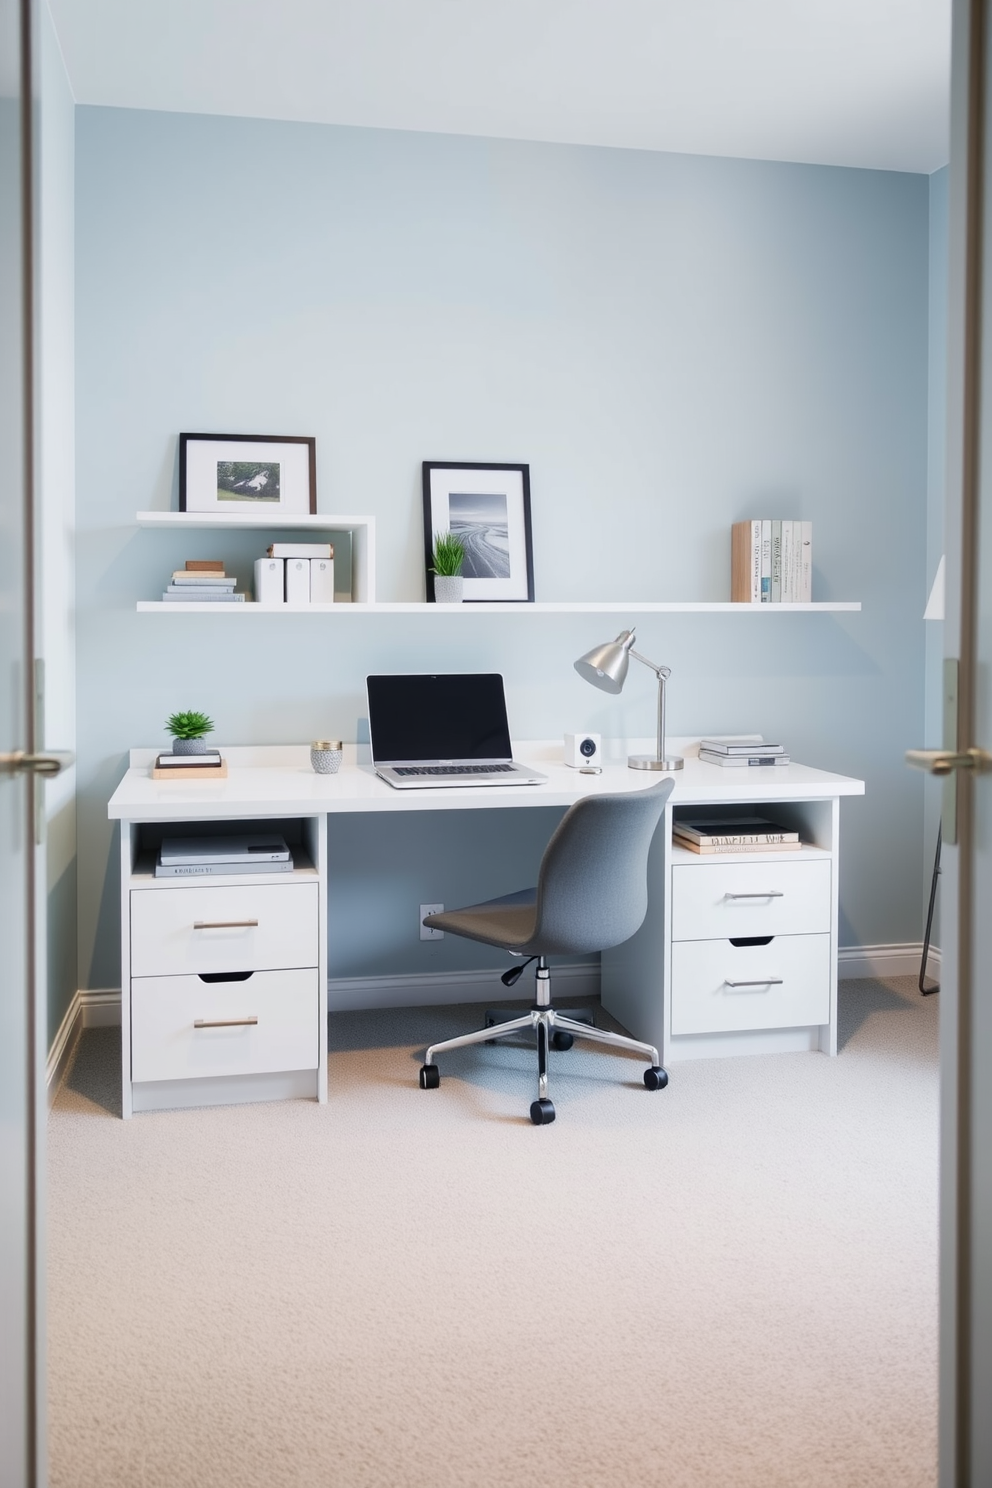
(455, 716)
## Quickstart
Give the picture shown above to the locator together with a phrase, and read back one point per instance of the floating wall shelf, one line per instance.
(362, 530)
(550, 607)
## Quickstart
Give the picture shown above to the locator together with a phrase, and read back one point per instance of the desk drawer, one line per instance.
(244, 927)
(791, 977)
(712, 901)
(166, 1044)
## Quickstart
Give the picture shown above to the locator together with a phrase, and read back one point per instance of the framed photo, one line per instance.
(235, 473)
(488, 507)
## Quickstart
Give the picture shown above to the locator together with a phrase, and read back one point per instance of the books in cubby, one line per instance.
(202, 580)
(737, 834)
(771, 561)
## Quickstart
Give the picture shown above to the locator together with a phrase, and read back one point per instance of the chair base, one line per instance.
(547, 1024)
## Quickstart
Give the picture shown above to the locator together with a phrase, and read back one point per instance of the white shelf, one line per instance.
(549, 607)
(362, 530)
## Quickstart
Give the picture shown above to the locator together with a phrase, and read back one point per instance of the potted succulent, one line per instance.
(449, 555)
(189, 731)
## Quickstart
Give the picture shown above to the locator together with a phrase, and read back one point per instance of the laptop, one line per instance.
(442, 730)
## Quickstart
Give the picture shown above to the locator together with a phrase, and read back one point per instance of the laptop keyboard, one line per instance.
(453, 769)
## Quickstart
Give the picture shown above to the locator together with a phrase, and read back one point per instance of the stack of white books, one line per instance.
(202, 582)
(742, 752)
(187, 857)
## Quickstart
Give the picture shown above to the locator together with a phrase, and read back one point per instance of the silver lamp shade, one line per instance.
(606, 666)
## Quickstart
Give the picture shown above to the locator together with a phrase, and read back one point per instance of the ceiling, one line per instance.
(834, 82)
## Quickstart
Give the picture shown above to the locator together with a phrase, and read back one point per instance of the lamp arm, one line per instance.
(659, 671)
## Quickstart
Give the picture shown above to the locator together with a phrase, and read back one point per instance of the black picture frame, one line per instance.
(505, 489)
(202, 455)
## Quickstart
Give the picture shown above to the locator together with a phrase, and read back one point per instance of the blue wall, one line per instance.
(672, 342)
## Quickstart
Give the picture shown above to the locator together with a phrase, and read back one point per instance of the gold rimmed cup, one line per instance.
(325, 756)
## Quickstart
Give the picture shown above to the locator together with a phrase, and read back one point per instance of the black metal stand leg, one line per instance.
(926, 991)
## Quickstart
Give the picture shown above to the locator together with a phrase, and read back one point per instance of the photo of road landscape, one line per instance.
(482, 524)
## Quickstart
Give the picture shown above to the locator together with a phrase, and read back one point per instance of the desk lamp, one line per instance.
(606, 667)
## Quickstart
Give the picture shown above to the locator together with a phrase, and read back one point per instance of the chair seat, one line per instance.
(507, 922)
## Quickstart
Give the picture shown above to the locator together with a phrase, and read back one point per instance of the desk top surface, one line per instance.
(277, 780)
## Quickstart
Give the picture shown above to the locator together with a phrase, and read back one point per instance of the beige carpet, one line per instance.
(729, 1283)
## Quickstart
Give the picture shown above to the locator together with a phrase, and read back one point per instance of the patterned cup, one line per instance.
(325, 756)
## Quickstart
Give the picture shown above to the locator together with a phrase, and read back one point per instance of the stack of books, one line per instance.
(741, 752)
(186, 857)
(208, 765)
(202, 579)
(738, 834)
(771, 562)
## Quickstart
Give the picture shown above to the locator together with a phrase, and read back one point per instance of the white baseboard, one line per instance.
(95, 1009)
(885, 960)
(348, 994)
(101, 1008)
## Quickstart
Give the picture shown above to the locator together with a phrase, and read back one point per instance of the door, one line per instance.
(21, 1457)
(966, 765)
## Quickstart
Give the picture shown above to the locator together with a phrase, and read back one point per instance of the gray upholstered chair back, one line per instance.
(592, 888)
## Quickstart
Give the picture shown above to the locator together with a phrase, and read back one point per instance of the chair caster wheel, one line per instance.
(655, 1078)
(561, 1040)
(542, 1113)
(430, 1077)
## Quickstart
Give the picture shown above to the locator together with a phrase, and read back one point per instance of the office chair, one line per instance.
(591, 894)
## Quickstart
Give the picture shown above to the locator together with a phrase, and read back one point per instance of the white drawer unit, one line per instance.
(224, 995)
(183, 1027)
(717, 900)
(719, 987)
(244, 927)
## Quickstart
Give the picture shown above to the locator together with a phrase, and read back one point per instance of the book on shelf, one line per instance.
(214, 579)
(771, 561)
(199, 870)
(732, 760)
(735, 830)
(706, 850)
(745, 562)
(741, 746)
(203, 565)
(202, 596)
(300, 550)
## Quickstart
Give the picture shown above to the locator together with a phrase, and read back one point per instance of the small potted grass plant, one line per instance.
(449, 555)
(189, 732)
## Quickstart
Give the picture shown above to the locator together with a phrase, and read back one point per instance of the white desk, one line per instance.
(689, 916)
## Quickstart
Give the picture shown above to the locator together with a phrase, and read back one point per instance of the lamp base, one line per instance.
(651, 762)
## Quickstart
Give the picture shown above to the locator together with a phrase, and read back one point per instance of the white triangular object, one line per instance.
(935, 604)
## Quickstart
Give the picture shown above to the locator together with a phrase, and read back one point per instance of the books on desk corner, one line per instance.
(210, 765)
(736, 834)
(734, 753)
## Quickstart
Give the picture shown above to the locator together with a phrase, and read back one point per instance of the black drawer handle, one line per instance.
(224, 976)
(751, 940)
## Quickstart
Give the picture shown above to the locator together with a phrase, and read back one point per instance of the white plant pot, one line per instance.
(448, 588)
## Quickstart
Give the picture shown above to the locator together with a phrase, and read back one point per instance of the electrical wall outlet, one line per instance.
(425, 932)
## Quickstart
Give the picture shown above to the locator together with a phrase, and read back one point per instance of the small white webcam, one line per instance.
(583, 749)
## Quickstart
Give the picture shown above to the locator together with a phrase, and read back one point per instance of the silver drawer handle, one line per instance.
(224, 924)
(761, 982)
(225, 1022)
(768, 894)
